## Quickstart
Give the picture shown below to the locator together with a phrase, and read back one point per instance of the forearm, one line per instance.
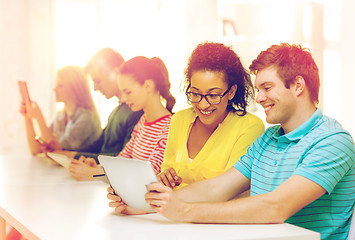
(32, 143)
(202, 191)
(216, 189)
(256, 209)
(45, 131)
(273, 207)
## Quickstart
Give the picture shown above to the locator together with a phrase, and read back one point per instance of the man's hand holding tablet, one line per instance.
(121, 207)
(129, 179)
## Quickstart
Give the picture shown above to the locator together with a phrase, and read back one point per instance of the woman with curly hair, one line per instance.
(208, 138)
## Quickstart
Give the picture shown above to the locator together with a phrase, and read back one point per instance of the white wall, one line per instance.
(27, 51)
(347, 66)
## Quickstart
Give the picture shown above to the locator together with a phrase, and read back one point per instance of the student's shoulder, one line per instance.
(123, 108)
(329, 129)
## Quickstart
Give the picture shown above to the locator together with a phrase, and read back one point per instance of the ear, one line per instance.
(232, 92)
(149, 85)
(299, 85)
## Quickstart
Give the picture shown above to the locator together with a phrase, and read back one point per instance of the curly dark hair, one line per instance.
(218, 57)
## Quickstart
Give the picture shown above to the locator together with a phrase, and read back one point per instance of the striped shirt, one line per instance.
(148, 141)
(319, 150)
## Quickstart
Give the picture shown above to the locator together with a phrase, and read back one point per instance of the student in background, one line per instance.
(102, 68)
(207, 139)
(75, 127)
(300, 171)
(144, 84)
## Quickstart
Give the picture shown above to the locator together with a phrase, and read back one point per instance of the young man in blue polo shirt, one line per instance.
(299, 171)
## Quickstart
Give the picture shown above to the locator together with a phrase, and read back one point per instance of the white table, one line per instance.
(42, 201)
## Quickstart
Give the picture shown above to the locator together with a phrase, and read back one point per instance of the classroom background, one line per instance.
(37, 37)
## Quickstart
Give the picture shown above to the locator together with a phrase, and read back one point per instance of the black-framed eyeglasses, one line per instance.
(210, 98)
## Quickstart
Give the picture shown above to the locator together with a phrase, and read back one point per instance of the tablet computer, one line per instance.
(24, 90)
(129, 178)
(60, 158)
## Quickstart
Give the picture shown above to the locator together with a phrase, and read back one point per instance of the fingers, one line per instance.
(157, 188)
(121, 209)
(91, 162)
(120, 206)
(114, 197)
(116, 202)
(156, 203)
(73, 162)
(110, 190)
(82, 159)
(178, 181)
(52, 145)
(158, 195)
(23, 108)
(157, 200)
(170, 178)
(165, 180)
(77, 170)
(29, 106)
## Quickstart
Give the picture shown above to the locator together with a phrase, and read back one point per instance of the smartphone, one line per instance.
(24, 90)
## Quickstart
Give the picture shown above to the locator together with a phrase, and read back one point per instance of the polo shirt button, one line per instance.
(275, 163)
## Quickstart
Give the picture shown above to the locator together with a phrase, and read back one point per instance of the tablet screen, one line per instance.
(129, 178)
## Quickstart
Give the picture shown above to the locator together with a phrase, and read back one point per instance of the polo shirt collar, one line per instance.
(300, 131)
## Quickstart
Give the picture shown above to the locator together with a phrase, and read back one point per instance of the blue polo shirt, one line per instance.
(319, 150)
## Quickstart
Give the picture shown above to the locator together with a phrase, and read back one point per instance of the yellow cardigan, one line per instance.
(224, 147)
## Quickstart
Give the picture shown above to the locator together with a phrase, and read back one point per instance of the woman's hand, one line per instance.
(169, 178)
(30, 109)
(54, 145)
(89, 161)
(121, 207)
(23, 108)
(48, 147)
(84, 168)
